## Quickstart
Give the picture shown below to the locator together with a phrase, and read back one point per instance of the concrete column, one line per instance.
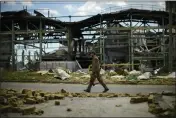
(13, 46)
(131, 57)
(83, 46)
(40, 38)
(75, 46)
(80, 45)
(69, 39)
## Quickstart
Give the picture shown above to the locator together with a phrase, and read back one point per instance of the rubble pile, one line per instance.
(118, 76)
(17, 102)
(156, 105)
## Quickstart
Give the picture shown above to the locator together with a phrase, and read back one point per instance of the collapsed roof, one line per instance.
(120, 15)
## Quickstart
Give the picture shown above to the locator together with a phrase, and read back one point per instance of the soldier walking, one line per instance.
(95, 73)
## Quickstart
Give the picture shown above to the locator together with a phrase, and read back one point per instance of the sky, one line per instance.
(76, 8)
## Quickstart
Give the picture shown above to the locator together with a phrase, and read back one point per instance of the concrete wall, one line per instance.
(71, 65)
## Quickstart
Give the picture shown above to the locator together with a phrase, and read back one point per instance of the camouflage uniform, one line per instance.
(96, 74)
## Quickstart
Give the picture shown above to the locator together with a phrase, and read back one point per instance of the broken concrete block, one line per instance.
(38, 112)
(70, 95)
(42, 94)
(110, 96)
(19, 95)
(92, 95)
(74, 94)
(3, 100)
(51, 96)
(8, 95)
(39, 99)
(127, 95)
(132, 95)
(15, 110)
(151, 99)
(168, 93)
(100, 95)
(63, 91)
(115, 95)
(46, 97)
(15, 102)
(24, 91)
(28, 110)
(166, 114)
(27, 92)
(61, 74)
(57, 102)
(69, 109)
(118, 105)
(30, 101)
(59, 96)
(4, 108)
(155, 109)
(134, 72)
(2, 92)
(11, 91)
(138, 99)
(9, 109)
(36, 93)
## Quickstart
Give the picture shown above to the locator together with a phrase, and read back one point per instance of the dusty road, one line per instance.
(92, 107)
(97, 88)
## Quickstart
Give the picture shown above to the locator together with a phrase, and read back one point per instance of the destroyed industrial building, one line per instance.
(136, 48)
(125, 36)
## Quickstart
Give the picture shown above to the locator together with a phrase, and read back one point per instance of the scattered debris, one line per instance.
(118, 105)
(168, 93)
(63, 91)
(155, 109)
(151, 99)
(112, 73)
(42, 72)
(138, 99)
(166, 114)
(59, 96)
(28, 110)
(69, 109)
(60, 73)
(134, 72)
(39, 99)
(51, 71)
(38, 112)
(172, 75)
(30, 101)
(102, 71)
(117, 77)
(57, 102)
(144, 76)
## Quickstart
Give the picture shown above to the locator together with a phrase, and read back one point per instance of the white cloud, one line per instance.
(89, 7)
(119, 3)
(70, 7)
(27, 3)
(94, 7)
(161, 4)
(52, 12)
